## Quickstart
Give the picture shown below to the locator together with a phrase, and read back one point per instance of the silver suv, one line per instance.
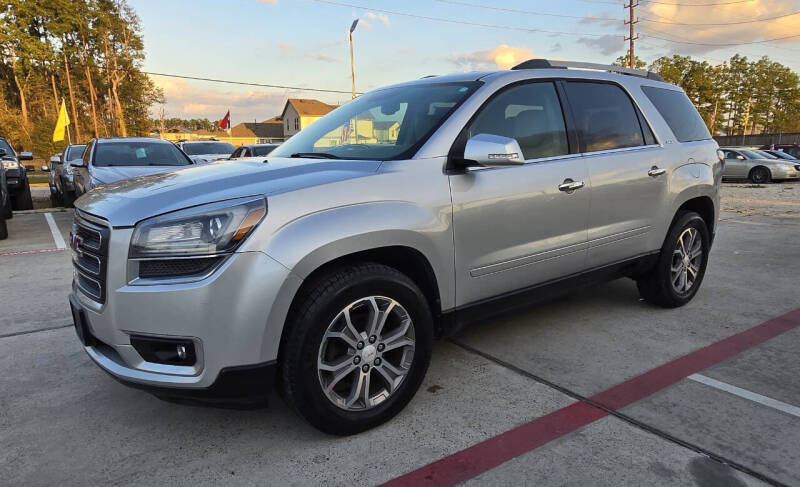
(413, 209)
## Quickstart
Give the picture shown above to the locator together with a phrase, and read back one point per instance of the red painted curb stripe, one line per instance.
(23, 252)
(488, 454)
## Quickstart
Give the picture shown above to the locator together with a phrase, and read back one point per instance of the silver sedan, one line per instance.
(757, 167)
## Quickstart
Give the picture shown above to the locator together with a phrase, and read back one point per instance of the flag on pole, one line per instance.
(225, 123)
(61, 123)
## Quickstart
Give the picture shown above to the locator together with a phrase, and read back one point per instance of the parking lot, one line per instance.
(594, 388)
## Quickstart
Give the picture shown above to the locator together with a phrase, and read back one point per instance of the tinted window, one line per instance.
(198, 148)
(679, 113)
(529, 113)
(138, 153)
(5, 146)
(752, 155)
(263, 150)
(74, 152)
(604, 116)
(729, 154)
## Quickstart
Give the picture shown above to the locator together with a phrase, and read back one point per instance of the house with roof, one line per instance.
(299, 113)
(270, 130)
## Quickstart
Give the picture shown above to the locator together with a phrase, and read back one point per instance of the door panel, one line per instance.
(514, 228)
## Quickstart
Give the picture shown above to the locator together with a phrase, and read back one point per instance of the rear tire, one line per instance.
(681, 265)
(3, 228)
(24, 201)
(318, 340)
(760, 175)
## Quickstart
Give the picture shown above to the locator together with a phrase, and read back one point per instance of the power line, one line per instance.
(460, 22)
(527, 12)
(718, 23)
(728, 44)
(245, 83)
(733, 2)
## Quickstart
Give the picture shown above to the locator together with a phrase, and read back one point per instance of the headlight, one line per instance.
(204, 230)
(10, 165)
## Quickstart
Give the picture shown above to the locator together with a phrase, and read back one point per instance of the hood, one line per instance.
(127, 202)
(112, 174)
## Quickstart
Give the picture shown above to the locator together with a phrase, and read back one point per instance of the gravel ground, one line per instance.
(780, 200)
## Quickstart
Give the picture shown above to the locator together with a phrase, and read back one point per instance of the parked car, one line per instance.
(62, 185)
(16, 176)
(781, 155)
(5, 206)
(334, 265)
(205, 151)
(253, 150)
(758, 167)
(107, 161)
(791, 149)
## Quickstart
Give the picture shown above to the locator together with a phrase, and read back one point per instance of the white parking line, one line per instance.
(752, 396)
(57, 238)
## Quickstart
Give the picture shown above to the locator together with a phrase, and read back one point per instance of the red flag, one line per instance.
(225, 123)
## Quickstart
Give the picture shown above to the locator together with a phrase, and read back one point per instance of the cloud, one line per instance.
(188, 99)
(383, 18)
(718, 33)
(322, 57)
(502, 56)
(607, 44)
(369, 18)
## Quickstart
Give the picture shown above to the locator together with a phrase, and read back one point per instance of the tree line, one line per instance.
(753, 97)
(87, 52)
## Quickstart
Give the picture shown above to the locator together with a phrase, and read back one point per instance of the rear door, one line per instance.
(513, 226)
(627, 169)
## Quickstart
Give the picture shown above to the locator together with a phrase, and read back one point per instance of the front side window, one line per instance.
(386, 124)
(138, 153)
(263, 150)
(531, 114)
(729, 154)
(604, 115)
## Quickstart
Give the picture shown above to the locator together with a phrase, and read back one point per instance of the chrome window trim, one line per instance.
(622, 149)
(528, 162)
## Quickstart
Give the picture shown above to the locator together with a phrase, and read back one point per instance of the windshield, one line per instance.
(198, 148)
(6, 147)
(74, 152)
(753, 155)
(263, 150)
(139, 153)
(783, 155)
(385, 124)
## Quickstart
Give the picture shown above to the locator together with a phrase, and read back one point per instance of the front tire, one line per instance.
(760, 175)
(356, 348)
(681, 265)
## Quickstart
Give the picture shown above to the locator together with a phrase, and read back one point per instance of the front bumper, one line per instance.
(785, 173)
(233, 317)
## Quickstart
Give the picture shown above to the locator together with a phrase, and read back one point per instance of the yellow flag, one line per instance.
(61, 124)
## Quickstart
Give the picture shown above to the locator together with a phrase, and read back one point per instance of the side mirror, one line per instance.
(55, 160)
(26, 156)
(740, 157)
(45, 168)
(493, 150)
(76, 163)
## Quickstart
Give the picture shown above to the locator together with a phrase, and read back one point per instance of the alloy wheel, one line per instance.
(686, 260)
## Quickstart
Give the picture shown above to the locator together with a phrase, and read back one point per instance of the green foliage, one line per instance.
(101, 41)
(765, 94)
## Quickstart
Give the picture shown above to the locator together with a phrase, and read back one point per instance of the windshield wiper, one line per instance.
(315, 155)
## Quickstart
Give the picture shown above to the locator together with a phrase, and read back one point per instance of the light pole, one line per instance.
(352, 67)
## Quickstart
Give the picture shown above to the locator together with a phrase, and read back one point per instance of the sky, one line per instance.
(303, 43)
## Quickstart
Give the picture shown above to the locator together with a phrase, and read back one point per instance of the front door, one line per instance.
(513, 226)
(735, 165)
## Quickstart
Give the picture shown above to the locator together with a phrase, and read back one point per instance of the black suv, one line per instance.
(19, 190)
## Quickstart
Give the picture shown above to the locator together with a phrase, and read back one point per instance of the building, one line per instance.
(299, 113)
(270, 130)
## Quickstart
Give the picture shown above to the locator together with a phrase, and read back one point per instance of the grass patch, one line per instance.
(38, 177)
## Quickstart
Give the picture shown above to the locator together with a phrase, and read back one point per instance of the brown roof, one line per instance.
(275, 119)
(252, 129)
(304, 106)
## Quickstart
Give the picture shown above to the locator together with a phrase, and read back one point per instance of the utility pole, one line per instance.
(352, 67)
(631, 37)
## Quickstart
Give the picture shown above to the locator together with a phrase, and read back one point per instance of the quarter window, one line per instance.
(604, 115)
(679, 113)
(529, 113)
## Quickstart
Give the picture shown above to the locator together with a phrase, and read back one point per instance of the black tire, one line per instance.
(314, 309)
(3, 228)
(8, 212)
(68, 199)
(760, 175)
(656, 287)
(23, 201)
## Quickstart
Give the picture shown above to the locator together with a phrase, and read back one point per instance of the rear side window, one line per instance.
(679, 113)
(604, 115)
(531, 114)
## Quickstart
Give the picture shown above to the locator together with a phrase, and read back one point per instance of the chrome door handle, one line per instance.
(568, 186)
(655, 171)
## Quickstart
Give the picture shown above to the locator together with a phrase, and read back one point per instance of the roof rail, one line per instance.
(547, 64)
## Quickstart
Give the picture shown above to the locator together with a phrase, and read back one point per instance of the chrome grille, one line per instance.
(89, 244)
